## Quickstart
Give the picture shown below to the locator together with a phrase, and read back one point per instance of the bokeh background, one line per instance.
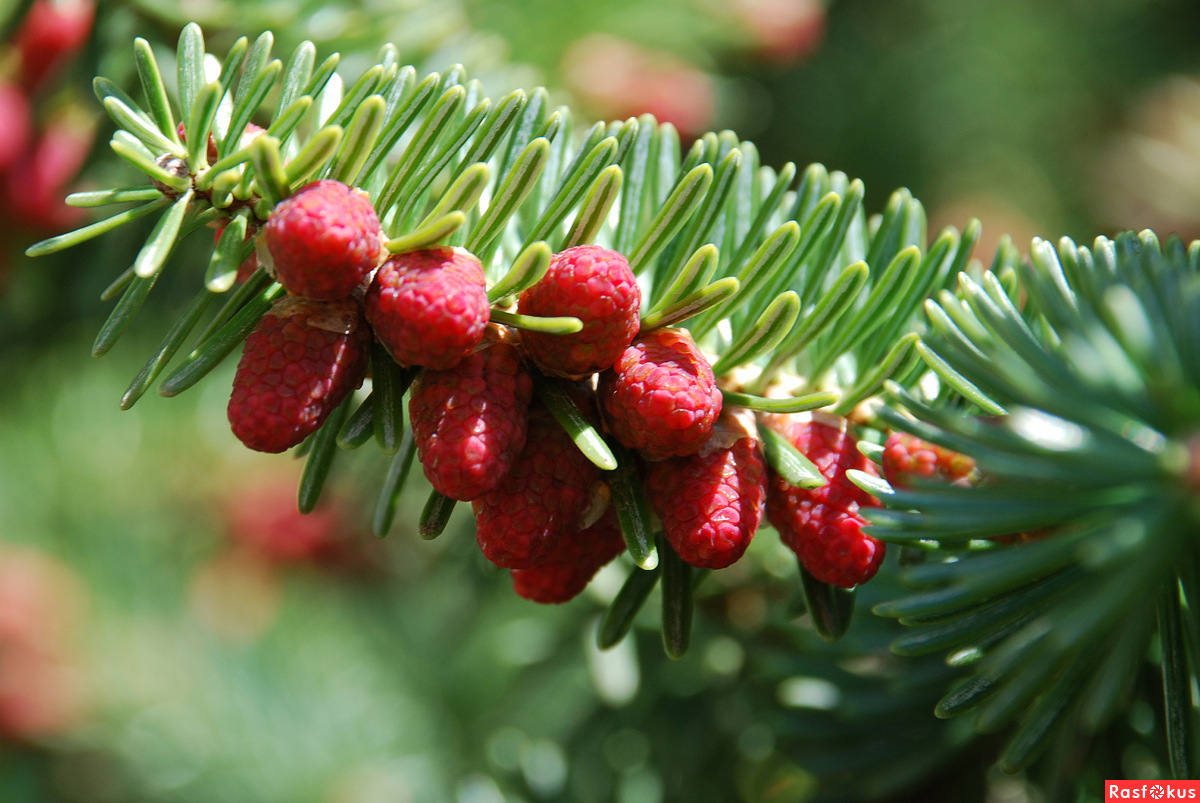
(171, 630)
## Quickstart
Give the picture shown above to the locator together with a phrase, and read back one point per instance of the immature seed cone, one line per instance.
(429, 307)
(595, 285)
(469, 421)
(51, 32)
(33, 186)
(710, 503)
(42, 603)
(18, 123)
(572, 563)
(542, 497)
(298, 365)
(262, 522)
(324, 240)
(823, 526)
(906, 456)
(661, 397)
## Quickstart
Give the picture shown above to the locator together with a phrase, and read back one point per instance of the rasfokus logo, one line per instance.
(1151, 790)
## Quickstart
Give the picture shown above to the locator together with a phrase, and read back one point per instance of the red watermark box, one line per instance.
(1151, 790)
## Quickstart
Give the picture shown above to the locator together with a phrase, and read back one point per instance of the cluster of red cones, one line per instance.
(482, 435)
(40, 153)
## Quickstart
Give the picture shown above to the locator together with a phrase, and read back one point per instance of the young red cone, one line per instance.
(324, 240)
(541, 498)
(51, 32)
(17, 115)
(906, 456)
(595, 285)
(711, 503)
(823, 526)
(572, 563)
(469, 421)
(661, 397)
(299, 364)
(34, 185)
(429, 307)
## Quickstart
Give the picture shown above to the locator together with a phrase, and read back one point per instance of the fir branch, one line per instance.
(1085, 471)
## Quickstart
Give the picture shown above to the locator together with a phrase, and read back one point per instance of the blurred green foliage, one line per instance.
(540, 31)
(997, 106)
